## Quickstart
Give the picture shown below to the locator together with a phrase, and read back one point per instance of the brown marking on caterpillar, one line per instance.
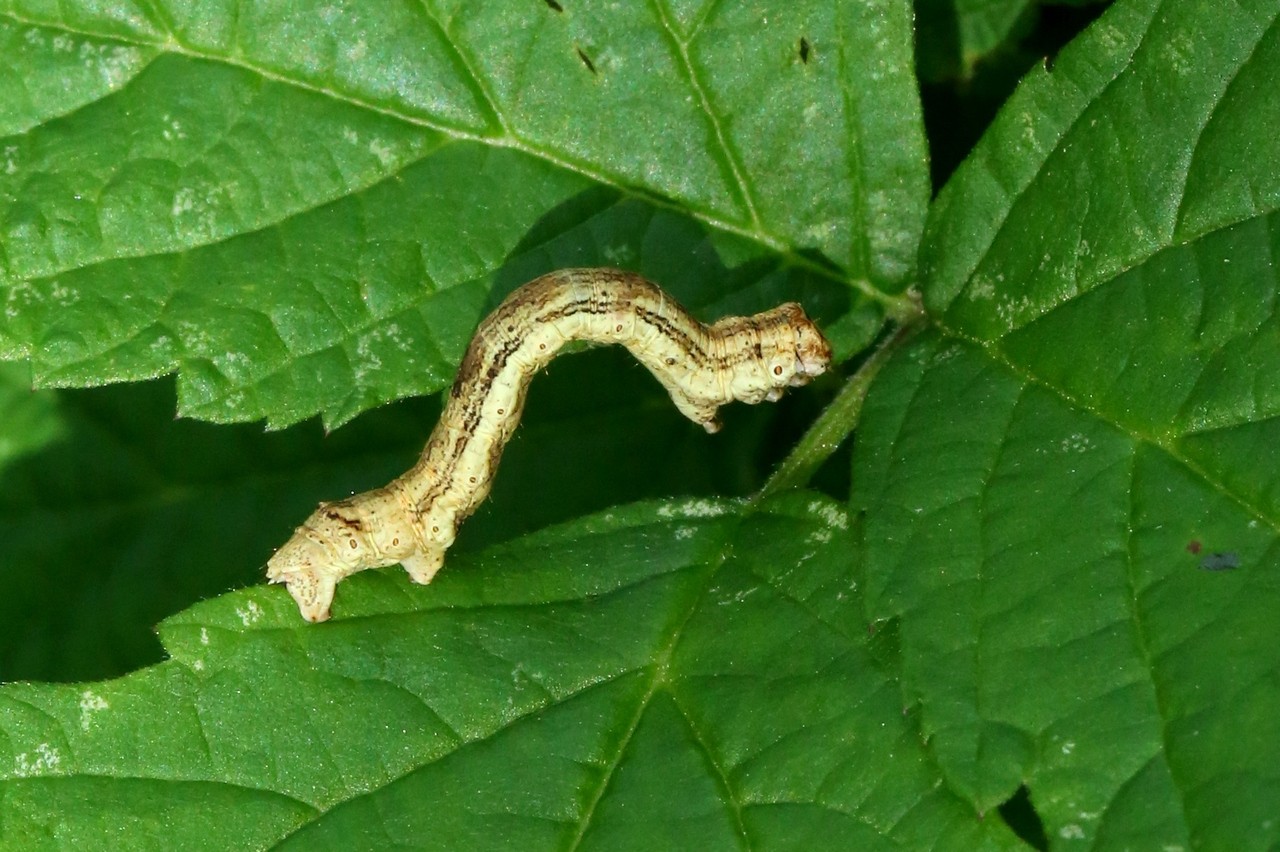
(349, 523)
(415, 518)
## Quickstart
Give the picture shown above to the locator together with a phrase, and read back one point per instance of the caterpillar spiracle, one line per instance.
(413, 519)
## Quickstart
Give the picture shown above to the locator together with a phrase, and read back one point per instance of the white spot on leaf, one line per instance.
(692, 509)
(184, 201)
(1076, 443)
(618, 254)
(385, 153)
(118, 64)
(44, 761)
(250, 614)
(90, 704)
(172, 128)
(833, 516)
(62, 294)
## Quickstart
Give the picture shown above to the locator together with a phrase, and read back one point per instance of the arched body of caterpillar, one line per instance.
(414, 519)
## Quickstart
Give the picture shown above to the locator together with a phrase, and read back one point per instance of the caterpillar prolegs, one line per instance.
(413, 519)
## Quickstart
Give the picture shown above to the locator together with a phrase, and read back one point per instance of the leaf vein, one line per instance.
(727, 153)
(730, 799)
(1133, 599)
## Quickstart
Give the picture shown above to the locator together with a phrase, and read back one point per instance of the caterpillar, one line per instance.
(414, 519)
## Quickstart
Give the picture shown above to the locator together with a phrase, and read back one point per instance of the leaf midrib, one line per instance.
(659, 671)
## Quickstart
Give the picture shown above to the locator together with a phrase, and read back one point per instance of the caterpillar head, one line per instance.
(812, 351)
(793, 351)
(764, 355)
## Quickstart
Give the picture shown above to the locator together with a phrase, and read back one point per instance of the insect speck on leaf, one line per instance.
(804, 50)
(414, 519)
(1220, 561)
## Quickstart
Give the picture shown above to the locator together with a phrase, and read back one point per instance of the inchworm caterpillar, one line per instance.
(414, 519)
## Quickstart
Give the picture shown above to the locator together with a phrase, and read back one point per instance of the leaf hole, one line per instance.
(555, 7)
(1020, 815)
(805, 50)
(586, 60)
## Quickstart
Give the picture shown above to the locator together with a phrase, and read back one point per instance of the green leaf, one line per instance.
(956, 36)
(525, 695)
(1070, 487)
(302, 211)
(1048, 607)
(30, 420)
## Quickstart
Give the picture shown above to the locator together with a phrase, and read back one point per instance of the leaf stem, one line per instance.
(839, 419)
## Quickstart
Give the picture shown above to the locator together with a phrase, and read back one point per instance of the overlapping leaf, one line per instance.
(544, 694)
(1071, 507)
(302, 209)
(957, 36)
